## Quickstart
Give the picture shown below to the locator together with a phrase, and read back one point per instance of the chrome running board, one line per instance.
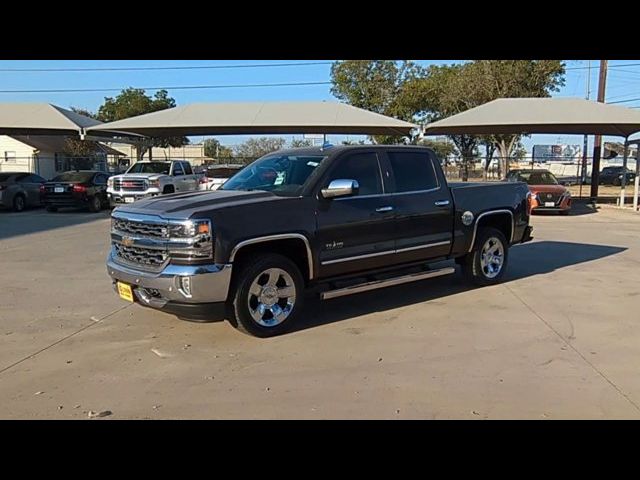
(364, 287)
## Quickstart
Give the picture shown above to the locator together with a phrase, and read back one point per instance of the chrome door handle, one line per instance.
(384, 209)
(442, 203)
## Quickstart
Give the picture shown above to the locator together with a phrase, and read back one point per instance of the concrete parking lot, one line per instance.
(560, 338)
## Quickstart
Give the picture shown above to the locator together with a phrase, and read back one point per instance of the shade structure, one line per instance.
(259, 118)
(540, 115)
(41, 119)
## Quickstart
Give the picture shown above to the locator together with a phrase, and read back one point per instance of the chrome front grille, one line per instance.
(150, 230)
(148, 258)
(130, 185)
(150, 242)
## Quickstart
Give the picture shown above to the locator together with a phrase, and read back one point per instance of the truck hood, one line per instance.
(141, 176)
(186, 205)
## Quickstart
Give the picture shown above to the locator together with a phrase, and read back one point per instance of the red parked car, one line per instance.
(546, 192)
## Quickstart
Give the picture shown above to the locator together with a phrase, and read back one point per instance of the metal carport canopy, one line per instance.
(41, 119)
(48, 119)
(259, 118)
(544, 115)
(540, 115)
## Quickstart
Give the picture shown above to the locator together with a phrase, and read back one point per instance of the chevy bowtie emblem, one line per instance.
(549, 195)
(127, 241)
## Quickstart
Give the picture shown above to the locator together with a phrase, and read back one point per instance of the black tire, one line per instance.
(472, 267)
(95, 204)
(19, 203)
(252, 269)
(51, 208)
(168, 189)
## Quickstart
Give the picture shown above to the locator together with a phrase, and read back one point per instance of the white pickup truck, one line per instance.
(148, 179)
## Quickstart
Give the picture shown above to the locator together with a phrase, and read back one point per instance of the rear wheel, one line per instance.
(267, 295)
(95, 204)
(487, 262)
(19, 203)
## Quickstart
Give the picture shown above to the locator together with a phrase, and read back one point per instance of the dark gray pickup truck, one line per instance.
(334, 221)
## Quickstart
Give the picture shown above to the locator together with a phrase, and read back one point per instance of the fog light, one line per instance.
(185, 286)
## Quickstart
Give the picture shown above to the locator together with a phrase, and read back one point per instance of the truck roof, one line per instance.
(341, 148)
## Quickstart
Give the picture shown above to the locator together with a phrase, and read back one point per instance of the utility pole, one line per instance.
(597, 143)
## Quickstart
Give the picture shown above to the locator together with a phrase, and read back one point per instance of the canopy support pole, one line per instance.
(623, 180)
(636, 181)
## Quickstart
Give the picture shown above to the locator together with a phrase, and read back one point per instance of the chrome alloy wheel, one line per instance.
(272, 297)
(492, 257)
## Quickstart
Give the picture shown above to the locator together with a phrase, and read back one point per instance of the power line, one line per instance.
(612, 66)
(625, 101)
(184, 87)
(194, 67)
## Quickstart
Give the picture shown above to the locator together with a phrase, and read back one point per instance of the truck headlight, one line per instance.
(154, 183)
(190, 240)
(110, 182)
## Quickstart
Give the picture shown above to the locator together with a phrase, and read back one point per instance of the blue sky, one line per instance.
(623, 83)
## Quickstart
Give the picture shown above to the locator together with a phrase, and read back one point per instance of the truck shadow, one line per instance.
(528, 260)
(35, 220)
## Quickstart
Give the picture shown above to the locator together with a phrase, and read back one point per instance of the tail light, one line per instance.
(529, 203)
(79, 188)
(2, 187)
(203, 180)
(42, 189)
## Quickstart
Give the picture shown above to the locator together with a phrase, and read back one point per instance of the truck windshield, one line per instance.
(150, 167)
(281, 174)
(537, 178)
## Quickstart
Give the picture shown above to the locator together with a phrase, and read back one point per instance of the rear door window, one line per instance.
(413, 171)
(187, 168)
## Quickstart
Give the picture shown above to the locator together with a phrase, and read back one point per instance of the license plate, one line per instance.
(125, 291)
(58, 190)
(549, 204)
(129, 199)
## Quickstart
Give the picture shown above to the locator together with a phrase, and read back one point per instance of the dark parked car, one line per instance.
(613, 176)
(336, 220)
(19, 190)
(79, 189)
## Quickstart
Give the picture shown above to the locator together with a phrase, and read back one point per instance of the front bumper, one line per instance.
(209, 284)
(118, 197)
(561, 206)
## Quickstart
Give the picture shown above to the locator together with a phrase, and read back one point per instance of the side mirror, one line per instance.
(340, 188)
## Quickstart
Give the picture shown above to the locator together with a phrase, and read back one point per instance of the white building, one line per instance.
(44, 155)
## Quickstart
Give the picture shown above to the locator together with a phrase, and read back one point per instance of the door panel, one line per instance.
(424, 207)
(355, 233)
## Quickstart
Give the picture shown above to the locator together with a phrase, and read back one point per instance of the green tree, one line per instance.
(132, 102)
(443, 149)
(444, 91)
(377, 86)
(257, 147)
(451, 89)
(214, 149)
(77, 148)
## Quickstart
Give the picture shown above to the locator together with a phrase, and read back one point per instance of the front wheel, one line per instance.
(267, 296)
(487, 262)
